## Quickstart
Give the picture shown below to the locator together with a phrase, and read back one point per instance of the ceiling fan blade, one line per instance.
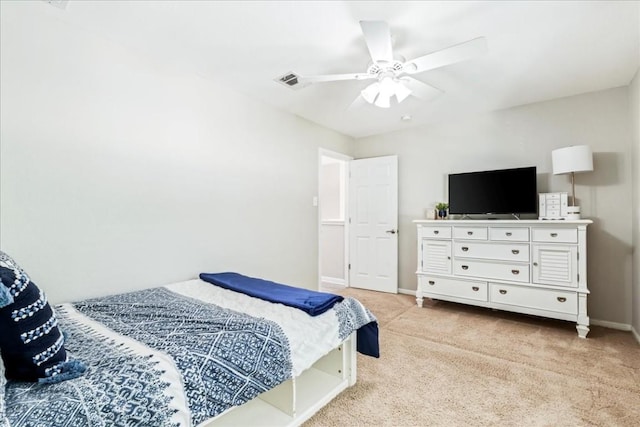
(420, 89)
(336, 77)
(378, 39)
(450, 55)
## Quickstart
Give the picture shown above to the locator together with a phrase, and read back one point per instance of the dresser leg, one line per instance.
(419, 298)
(583, 330)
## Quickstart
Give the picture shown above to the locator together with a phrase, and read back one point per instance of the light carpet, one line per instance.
(455, 365)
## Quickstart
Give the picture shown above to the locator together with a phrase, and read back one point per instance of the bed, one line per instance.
(197, 354)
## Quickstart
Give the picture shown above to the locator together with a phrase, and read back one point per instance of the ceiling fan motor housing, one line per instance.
(386, 67)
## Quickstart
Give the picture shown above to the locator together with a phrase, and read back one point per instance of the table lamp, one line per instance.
(577, 158)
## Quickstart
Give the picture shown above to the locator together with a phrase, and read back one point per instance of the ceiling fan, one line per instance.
(393, 76)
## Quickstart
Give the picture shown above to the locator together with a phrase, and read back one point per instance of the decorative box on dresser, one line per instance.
(536, 267)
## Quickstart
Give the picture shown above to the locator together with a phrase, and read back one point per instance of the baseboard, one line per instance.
(407, 291)
(333, 280)
(611, 325)
(635, 334)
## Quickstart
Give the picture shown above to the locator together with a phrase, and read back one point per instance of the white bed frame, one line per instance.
(296, 400)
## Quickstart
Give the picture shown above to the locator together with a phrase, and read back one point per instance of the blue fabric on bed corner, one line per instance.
(312, 302)
(367, 340)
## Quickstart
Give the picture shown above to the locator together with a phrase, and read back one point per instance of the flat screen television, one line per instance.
(503, 191)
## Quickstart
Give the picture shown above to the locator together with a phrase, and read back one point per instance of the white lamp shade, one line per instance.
(387, 87)
(577, 158)
(383, 100)
(401, 92)
(370, 92)
(381, 92)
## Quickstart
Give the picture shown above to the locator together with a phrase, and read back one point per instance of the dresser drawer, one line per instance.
(541, 299)
(436, 231)
(550, 235)
(518, 252)
(470, 233)
(509, 234)
(469, 289)
(491, 270)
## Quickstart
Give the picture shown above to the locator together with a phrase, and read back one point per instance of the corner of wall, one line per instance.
(635, 333)
(634, 111)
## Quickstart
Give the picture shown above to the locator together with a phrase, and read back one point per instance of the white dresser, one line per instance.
(535, 267)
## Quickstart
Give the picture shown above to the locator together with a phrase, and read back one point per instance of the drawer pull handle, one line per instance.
(515, 251)
(535, 264)
(469, 233)
(554, 234)
(562, 299)
(431, 282)
(465, 249)
(475, 288)
(502, 291)
(436, 232)
(508, 233)
(465, 267)
(515, 272)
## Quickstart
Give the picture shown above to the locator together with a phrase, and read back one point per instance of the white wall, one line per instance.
(332, 227)
(331, 191)
(119, 174)
(332, 257)
(525, 136)
(634, 113)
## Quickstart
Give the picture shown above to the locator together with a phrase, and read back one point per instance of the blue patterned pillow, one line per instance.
(31, 343)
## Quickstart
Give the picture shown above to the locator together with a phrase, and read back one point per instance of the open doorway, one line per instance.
(333, 267)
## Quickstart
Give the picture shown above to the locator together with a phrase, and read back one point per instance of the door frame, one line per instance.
(323, 152)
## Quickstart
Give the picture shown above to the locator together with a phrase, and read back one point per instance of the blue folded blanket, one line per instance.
(312, 302)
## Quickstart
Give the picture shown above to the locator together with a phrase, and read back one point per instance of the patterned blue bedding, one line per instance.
(217, 358)
(225, 358)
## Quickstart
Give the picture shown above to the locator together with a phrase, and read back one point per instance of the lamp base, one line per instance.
(573, 212)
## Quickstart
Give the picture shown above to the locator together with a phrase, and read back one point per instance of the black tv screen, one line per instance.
(504, 191)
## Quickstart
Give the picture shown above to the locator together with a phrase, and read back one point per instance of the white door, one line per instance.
(373, 216)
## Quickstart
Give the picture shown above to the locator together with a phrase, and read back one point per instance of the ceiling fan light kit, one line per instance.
(380, 93)
(392, 74)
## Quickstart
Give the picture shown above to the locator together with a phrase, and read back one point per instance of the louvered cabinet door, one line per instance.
(436, 256)
(555, 265)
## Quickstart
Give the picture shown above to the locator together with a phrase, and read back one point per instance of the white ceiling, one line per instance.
(537, 50)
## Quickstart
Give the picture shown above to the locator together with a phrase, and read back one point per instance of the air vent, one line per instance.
(60, 4)
(291, 80)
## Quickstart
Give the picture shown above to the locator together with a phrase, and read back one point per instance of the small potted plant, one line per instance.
(442, 210)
